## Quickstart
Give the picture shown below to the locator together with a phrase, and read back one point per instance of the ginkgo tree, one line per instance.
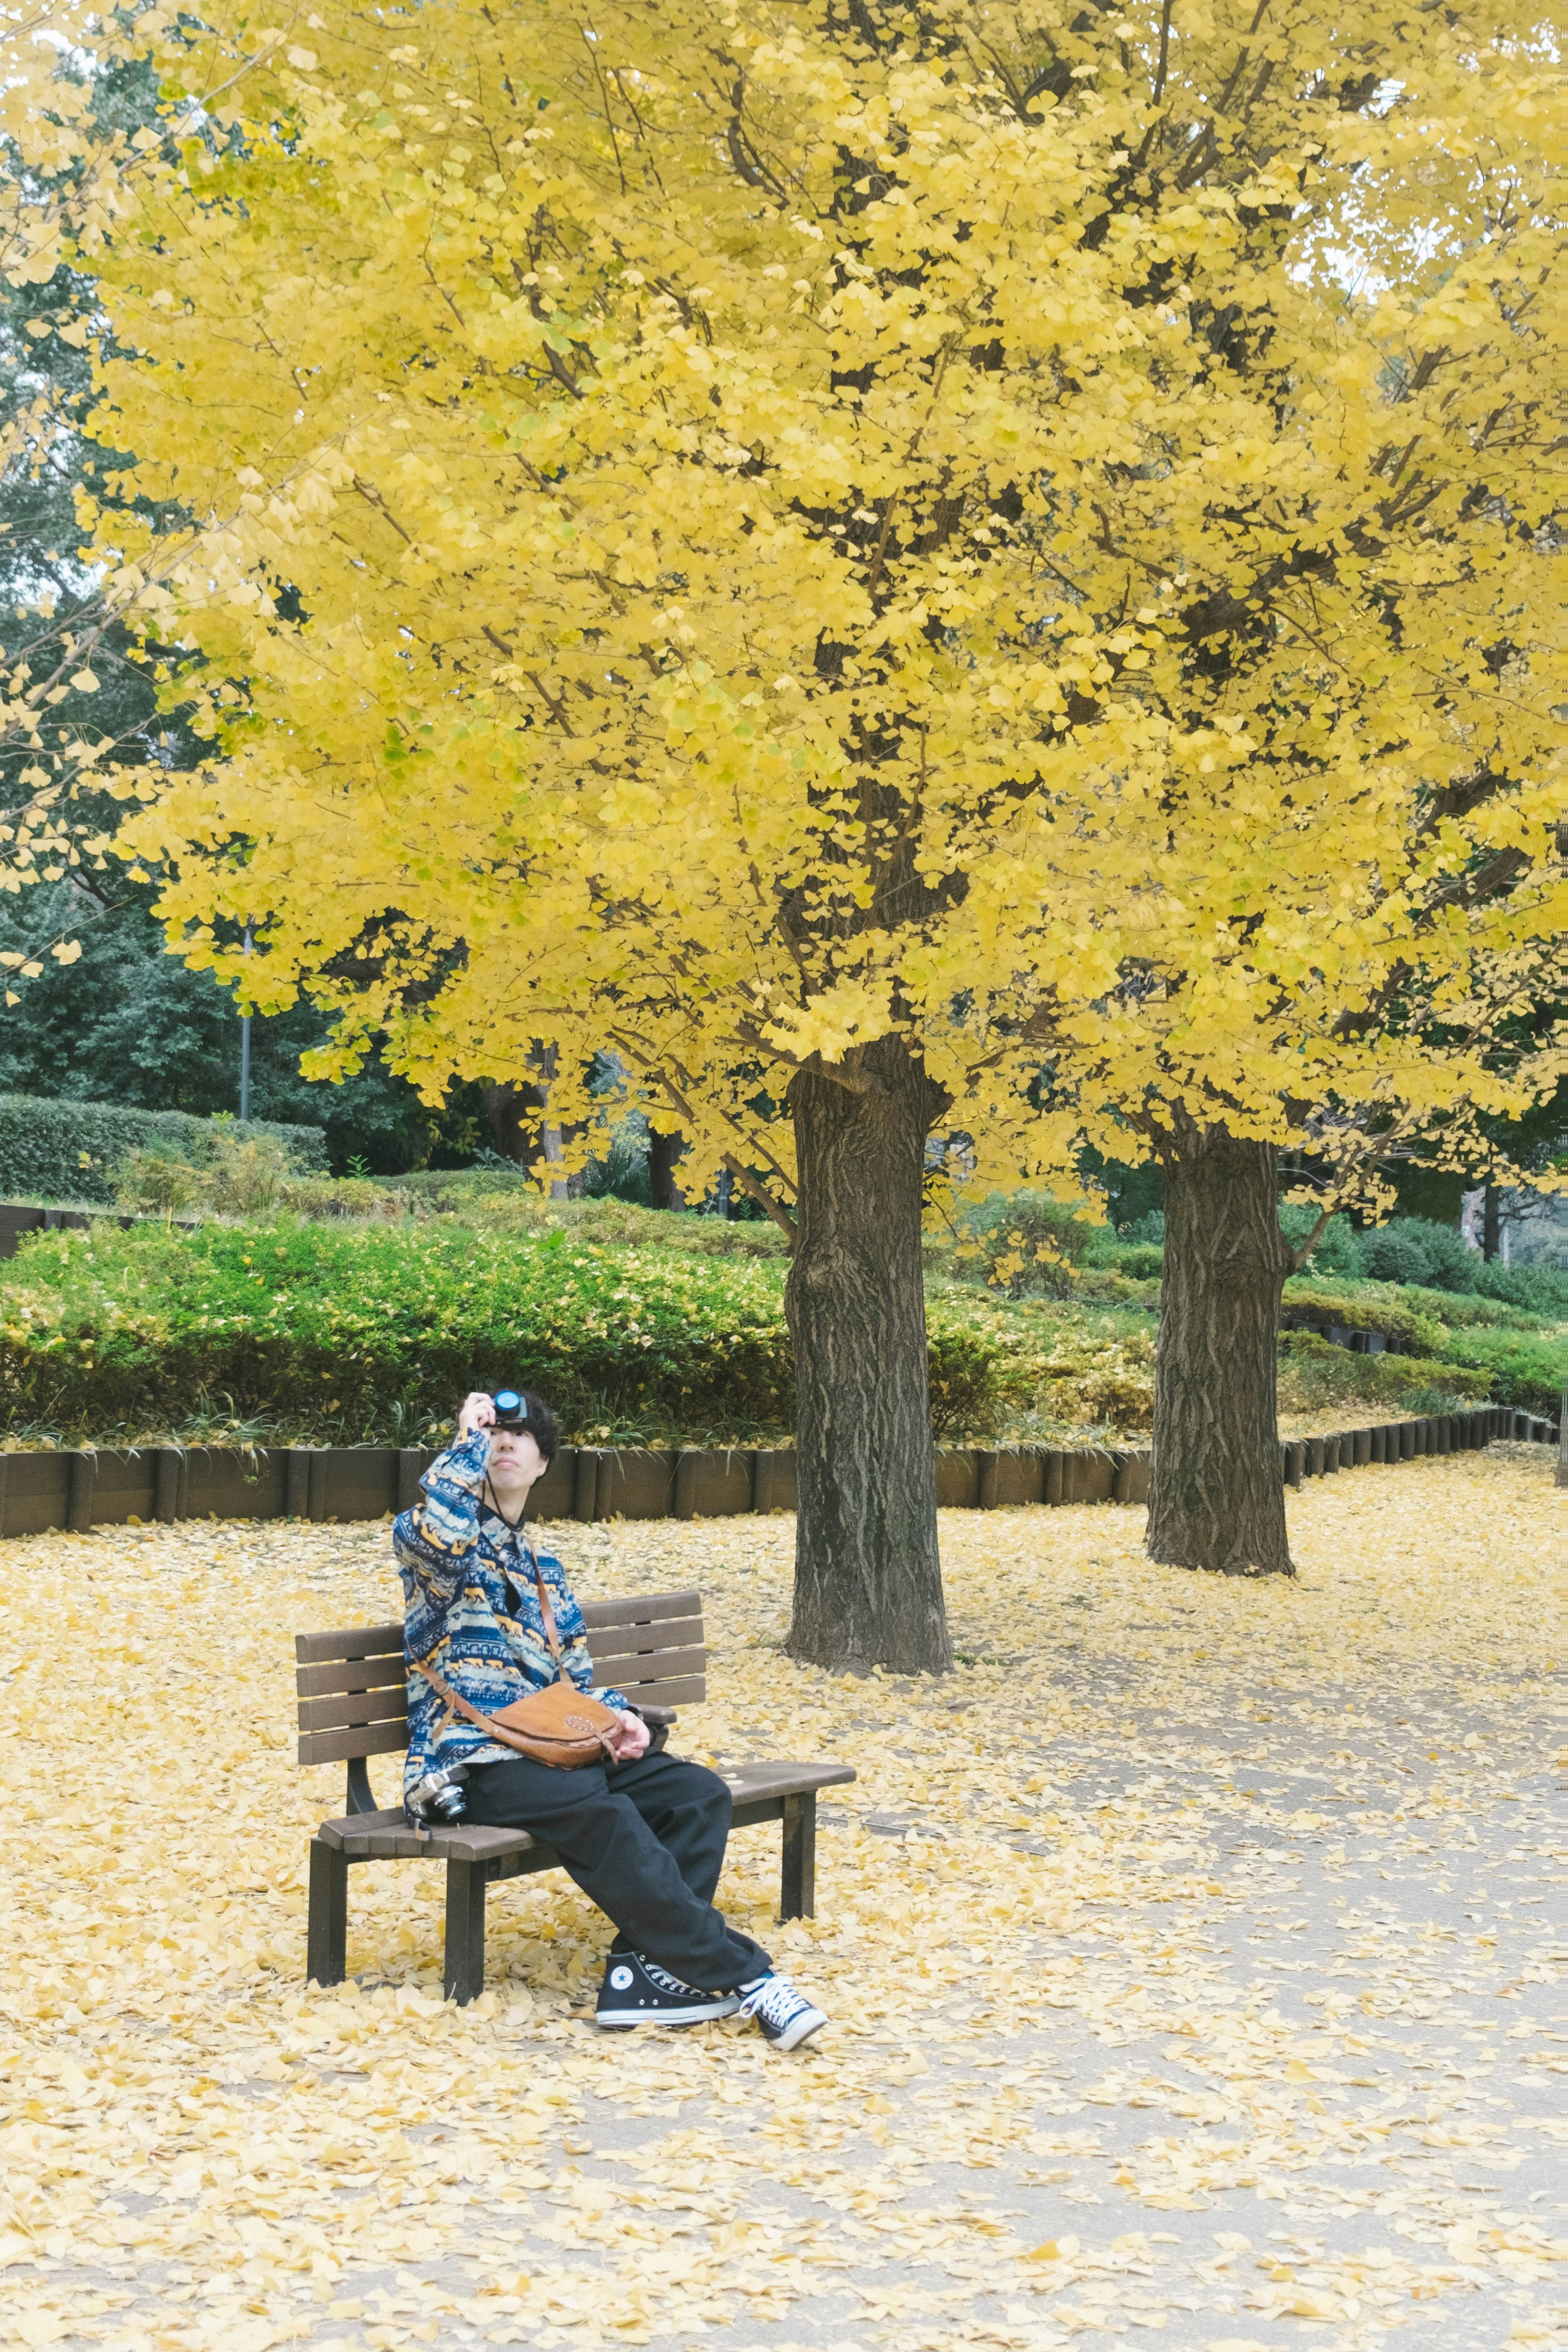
(841, 552)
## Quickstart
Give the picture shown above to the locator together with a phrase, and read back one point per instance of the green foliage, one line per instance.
(248, 1175)
(1144, 1261)
(496, 1197)
(975, 1383)
(1338, 1249)
(1147, 1231)
(1457, 1308)
(1315, 1375)
(130, 1023)
(366, 1332)
(65, 1150)
(1134, 1193)
(146, 1182)
(1022, 1241)
(1051, 1367)
(1526, 1369)
(1370, 1306)
(1539, 1290)
(367, 1318)
(1444, 1338)
(1415, 1250)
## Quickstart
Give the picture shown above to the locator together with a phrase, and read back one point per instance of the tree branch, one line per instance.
(764, 1200)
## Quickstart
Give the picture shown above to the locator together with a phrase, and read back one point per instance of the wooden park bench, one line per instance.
(353, 1703)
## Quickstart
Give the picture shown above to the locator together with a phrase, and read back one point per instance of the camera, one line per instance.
(436, 1800)
(510, 1409)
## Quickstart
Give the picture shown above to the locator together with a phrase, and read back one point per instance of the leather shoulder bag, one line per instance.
(559, 1725)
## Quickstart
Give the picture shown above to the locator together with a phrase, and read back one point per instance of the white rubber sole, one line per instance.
(799, 2029)
(620, 2020)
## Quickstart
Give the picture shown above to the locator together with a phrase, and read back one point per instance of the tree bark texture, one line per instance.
(663, 1151)
(867, 1585)
(1216, 1492)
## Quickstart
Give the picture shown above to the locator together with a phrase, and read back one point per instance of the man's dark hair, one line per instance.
(542, 1425)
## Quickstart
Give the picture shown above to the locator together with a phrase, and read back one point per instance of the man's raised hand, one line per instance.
(476, 1412)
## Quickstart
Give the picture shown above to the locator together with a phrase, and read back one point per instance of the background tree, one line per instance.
(103, 1011)
(83, 138)
(127, 1021)
(853, 547)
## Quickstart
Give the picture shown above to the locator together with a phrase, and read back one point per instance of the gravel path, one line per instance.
(1187, 1955)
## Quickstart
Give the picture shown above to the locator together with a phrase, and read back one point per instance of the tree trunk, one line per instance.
(514, 1110)
(867, 1580)
(663, 1151)
(1492, 1223)
(1217, 1493)
(511, 1114)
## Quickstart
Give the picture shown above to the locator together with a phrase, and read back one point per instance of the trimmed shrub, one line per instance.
(1024, 1241)
(1526, 1369)
(1143, 1261)
(1366, 1309)
(1314, 1374)
(375, 1332)
(58, 1149)
(1461, 1307)
(1415, 1250)
(1538, 1289)
(512, 1202)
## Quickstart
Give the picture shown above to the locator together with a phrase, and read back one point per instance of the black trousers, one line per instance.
(645, 1841)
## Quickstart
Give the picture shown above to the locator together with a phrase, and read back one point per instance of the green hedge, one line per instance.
(375, 1333)
(1527, 1366)
(1528, 1369)
(1370, 1306)
(53, 1149)
(1313, 1373)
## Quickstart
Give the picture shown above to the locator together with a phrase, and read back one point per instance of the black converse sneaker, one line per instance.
(785, 2016)
(638, 1991)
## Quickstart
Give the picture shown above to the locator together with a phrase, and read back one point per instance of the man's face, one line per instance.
(515, 1454)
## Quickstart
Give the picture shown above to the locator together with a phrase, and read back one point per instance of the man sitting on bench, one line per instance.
(643, 1835)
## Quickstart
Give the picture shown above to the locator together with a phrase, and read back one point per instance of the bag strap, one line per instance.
(546, 1613)
(454, 1700)
(552, 1631)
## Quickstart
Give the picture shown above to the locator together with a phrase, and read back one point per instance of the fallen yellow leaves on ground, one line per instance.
(1183, 1951)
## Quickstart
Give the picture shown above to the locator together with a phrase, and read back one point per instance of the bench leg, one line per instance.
(797, 1890)
(327, 1920)
(464, 1971)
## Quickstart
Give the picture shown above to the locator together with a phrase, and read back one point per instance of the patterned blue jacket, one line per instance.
(470, 1608)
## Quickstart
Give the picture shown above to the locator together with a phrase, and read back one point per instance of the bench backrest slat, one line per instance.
(352, 1674)
(342, 1713)
(640, 1608)
(353, 1686)
(342, 1747)
(611, 1642)
(679, 1690)
(352, 1642)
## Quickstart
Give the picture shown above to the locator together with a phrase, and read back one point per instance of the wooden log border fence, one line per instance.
(88, 1487)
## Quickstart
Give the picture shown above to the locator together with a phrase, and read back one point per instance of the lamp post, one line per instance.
(245, 1049)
